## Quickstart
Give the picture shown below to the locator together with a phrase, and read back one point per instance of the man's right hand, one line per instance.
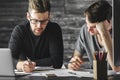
(26, 66)
(75, 63)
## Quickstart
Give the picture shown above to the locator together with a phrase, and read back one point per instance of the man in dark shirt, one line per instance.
(37, 39)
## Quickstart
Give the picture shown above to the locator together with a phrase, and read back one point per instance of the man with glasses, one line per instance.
(37, 41)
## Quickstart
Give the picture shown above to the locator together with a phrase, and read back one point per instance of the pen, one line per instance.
(72, 73)
(72, 62)
(30, 62)
(75, 61)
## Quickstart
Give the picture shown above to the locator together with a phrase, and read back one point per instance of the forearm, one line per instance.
(55, 62)
(107, 42)
(76, 53)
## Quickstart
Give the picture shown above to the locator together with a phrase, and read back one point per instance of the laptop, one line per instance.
(7, 78)
(6, 64)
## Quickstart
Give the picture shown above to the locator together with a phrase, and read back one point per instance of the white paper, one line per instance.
(42, 68)
(63, 73)
(45, 71)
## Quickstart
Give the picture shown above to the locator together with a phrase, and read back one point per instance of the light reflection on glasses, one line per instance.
(42, 22)
(35, 21)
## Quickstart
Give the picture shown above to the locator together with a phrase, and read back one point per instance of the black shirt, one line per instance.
(45, 50)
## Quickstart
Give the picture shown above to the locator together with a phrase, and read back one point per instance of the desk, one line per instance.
(54, 78)
(39, 75)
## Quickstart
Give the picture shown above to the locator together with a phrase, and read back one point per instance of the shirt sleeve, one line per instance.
(15, 44)
(79, 45)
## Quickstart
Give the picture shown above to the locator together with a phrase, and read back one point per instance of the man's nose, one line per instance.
(39, 24)
(88, 29)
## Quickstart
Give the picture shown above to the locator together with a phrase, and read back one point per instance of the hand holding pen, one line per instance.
(75, 63)
(28, 65)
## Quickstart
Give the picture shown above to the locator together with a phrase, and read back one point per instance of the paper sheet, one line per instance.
(63, 73)
(48, 71)
(41, 68)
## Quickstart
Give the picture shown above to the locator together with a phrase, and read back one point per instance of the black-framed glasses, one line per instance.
(35, 21)
(42, 22)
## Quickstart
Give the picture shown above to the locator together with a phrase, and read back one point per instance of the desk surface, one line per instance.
(59, 74)
(54, 78)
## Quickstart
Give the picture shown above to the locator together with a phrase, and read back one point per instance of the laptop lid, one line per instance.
(6, 64)
(7, 78)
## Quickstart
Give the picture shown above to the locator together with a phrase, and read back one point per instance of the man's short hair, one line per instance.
(39, 5)
(99, 11)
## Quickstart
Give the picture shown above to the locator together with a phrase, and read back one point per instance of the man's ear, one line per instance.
(28, 15)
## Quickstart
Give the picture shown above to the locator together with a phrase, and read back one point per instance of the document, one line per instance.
(42, 68)
(63, 73)
(49, 71)
(21, 72)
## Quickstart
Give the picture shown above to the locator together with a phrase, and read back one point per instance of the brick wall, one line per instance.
(67, 13)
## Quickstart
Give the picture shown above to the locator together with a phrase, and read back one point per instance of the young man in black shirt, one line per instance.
(37, 39)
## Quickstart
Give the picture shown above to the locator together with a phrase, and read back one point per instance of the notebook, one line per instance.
(6, 64)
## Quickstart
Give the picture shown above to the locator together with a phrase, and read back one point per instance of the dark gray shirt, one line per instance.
(87, 43)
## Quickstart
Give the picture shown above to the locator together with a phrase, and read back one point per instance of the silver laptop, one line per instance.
(6, 63)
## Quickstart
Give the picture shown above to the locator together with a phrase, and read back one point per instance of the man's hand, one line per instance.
(75, 63)
(103, 27)
(26, 66)
(116, 68)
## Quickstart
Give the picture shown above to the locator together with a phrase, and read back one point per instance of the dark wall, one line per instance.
(12, 12)
(67, 13)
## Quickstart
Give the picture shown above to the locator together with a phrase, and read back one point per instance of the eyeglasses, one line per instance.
(35, 21)
(42, 22)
